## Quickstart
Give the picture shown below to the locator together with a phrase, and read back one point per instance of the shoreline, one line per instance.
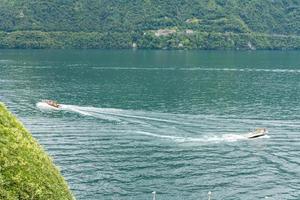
(148, 40)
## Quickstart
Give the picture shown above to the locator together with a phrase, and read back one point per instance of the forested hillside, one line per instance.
(196, 24)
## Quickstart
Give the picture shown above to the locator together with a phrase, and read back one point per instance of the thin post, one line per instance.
(209, 195)
(154, 195)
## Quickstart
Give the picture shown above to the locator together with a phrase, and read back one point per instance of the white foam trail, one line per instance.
(110, 114)
(74, 109)
(243, 70)
(135, 116)
(278, 70)
(175, 138)
(77, 109)
(205, 139)
(159, 123)
(45, 106)
(5, 61)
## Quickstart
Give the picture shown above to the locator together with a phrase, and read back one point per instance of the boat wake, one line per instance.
(185, 127)
(203, 139)
(250, 69)
(112, 114)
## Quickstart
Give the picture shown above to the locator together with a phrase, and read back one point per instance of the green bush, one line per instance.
(26, 171)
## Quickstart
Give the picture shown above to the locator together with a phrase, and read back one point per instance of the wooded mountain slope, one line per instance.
(279, 18)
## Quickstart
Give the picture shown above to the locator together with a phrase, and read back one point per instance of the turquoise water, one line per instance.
(173, 122)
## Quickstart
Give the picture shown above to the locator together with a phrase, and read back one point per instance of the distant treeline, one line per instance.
(194, 24)
(179, 40)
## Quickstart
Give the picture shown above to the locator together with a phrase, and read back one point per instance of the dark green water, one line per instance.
(134, 122)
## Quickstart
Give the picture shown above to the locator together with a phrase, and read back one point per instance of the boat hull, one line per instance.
(45, 106)
(256, 134)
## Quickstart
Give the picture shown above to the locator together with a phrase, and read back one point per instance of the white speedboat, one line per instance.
(257, 133)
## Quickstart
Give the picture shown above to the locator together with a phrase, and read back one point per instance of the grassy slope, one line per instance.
(26, 171)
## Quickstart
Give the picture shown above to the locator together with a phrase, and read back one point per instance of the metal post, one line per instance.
(209, 195)
(154, 195)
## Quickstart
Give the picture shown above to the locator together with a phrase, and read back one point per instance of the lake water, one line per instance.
(167, 121)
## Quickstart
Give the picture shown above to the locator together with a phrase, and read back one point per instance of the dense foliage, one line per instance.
(26, 172)
(225, 24)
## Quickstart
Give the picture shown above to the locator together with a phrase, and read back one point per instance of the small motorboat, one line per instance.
(52, 103)
(49, 105)
(257, 133)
